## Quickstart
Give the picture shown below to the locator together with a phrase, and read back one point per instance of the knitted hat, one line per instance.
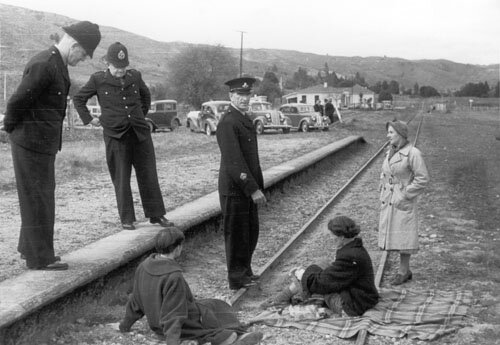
(400, 127)
(87, 34)
(343, 226)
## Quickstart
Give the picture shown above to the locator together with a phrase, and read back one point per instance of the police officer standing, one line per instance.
(34, 119)
(240, 184)
(125, 99)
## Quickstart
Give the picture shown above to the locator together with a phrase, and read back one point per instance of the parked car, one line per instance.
(304, 118)
(163, 114)
(206, 119)
(264, 117)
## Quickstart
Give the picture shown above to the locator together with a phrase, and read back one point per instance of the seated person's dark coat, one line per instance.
(350, 275)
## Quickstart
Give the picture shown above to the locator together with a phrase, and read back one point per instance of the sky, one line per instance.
(465, 31)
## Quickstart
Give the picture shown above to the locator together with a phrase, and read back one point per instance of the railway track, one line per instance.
(315, 223)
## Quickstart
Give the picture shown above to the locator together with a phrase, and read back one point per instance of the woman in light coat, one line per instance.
(404, 177)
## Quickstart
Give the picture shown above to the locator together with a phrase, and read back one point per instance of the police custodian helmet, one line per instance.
(117, 55)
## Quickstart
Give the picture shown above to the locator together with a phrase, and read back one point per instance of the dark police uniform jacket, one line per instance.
(351, 276)
(35, 112)
(124, 105)
(240, 173)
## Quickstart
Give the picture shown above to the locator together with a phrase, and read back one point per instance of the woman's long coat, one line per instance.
(404, 177)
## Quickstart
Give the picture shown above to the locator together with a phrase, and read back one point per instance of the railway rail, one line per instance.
(313, 223)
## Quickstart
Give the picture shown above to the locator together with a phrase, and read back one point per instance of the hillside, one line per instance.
(24, 32)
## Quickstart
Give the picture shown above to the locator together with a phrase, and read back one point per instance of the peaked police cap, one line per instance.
(241, 85)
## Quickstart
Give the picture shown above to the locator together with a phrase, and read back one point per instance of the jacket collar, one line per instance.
(157, 265)
(127, 79)
(357, 242)
(403, 152)
(60, 62)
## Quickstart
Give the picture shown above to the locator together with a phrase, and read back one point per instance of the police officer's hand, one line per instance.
(95, 122)
(258, 197)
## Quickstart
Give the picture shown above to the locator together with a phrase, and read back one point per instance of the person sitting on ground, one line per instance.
(162, 294)
(347, 285)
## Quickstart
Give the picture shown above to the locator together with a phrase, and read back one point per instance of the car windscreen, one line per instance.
(222, 108)
(306, 109)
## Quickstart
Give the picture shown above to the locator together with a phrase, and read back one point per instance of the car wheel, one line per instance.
(286, 130)
(151, 127)
(174, 125)
(259, 127)
(304, 126)
(326, 128)
(208, 130)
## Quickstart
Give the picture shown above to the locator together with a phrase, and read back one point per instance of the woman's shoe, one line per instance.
(401, 278)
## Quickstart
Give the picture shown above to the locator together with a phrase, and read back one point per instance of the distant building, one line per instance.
(343, 97)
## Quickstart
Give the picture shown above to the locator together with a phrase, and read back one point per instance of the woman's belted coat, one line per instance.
(403, 178)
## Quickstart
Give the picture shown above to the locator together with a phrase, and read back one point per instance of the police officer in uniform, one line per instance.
(240, 184)
(34, 119)
(125, 99)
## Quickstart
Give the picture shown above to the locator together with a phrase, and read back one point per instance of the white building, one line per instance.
(343, 97)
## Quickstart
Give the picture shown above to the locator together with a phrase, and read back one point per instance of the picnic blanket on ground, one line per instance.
(424, 315)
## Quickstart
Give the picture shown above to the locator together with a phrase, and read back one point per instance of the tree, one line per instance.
(393, 87)
(496, 91)
(416, 89)
(384, 95)
(301, 79)
(474, 90)
(428, 91)
(198, 73)
(270, 87)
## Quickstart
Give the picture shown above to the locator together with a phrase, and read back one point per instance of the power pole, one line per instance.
(241, 54)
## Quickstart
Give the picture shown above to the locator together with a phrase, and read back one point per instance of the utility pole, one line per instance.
(241, 53)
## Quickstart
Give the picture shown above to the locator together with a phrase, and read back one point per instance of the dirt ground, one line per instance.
(459, 219)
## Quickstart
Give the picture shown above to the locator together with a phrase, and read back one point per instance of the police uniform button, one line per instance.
(129, 116)
(124, 97)
(135, 91)
(123, 89)
(106, 92)
(126, 107)
(59, 93)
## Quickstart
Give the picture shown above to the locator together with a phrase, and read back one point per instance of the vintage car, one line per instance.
(163, 115)
(304, 118)
(264, 117)
(207, 118)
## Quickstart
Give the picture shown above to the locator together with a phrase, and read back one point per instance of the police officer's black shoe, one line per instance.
(128, 226)
(162, 221)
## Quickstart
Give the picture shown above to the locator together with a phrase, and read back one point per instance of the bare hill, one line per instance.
(24, 32)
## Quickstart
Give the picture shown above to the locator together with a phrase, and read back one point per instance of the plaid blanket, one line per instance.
(424, 315)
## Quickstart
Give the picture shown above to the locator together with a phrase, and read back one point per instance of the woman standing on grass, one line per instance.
(404, 177)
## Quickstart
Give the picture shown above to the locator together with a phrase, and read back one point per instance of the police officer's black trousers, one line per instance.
(240, 221)
(121, 155)
(36, 185)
